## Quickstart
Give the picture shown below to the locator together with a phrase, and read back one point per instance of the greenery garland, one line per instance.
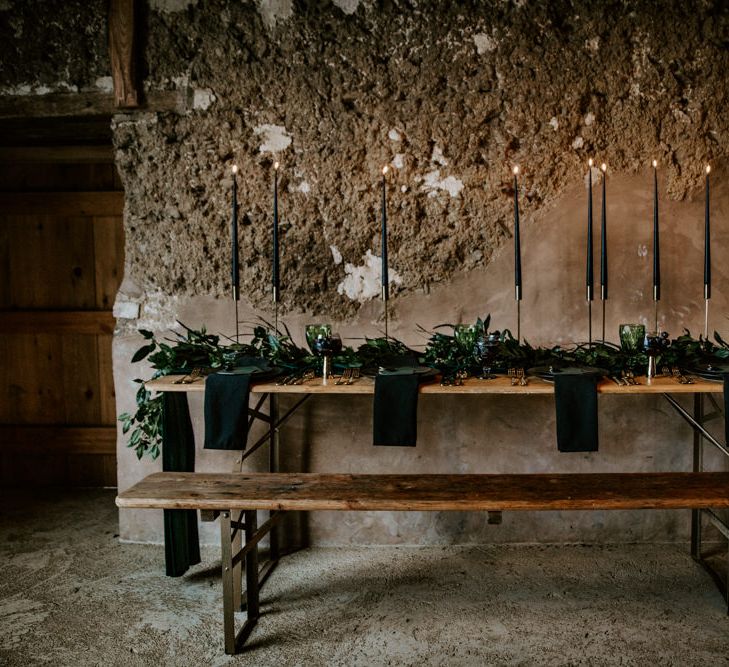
(451, 353)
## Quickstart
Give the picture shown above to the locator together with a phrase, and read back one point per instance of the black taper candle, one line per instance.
(234, 270)
(590, 271)
(275, 272)
(603, 239)
(656, 238)
(707, 240)
(385, 272)
(517, 240)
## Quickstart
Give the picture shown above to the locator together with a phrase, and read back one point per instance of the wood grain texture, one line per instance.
(59, 439)
(502, 385)
(86, 322)
(313, 491)
(122, 52)
(109, 203)
(56, 154)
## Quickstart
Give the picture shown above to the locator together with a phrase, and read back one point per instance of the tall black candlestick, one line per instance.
(589, 273)
(603, 240)
(275, 274)
(707, 241)
(385, 272)
(517, 240)
(656, 239)
(234, 270)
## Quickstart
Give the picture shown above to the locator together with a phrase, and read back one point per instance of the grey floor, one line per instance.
(70, 594)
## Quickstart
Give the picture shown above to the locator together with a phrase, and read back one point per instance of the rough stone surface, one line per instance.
(70, 594)
(468, 90)
(52, 46)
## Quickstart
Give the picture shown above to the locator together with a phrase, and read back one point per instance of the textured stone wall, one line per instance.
(449, 94)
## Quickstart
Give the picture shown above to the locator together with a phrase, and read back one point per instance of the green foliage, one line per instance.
(451, 348)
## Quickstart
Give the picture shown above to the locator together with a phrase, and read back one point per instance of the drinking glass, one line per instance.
(632, 337)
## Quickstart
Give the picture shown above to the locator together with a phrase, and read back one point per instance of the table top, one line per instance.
(499, 385)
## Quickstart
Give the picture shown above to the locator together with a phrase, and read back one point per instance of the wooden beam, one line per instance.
(85, 322)
(57, 154)
(108, 203)
(85, 104)
(58, 439)
(122, 53)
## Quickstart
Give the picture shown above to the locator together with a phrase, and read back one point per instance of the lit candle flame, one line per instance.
(708, 168)
(655, 163)
(516, 169)
(384, 170)
(234, 168)
(276, 165)
(603, 166)
(589, 162)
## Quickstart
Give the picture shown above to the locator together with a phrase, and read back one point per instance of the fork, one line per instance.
(195, 375)
(346, 376)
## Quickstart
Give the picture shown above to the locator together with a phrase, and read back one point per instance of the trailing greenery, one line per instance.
(451, 348)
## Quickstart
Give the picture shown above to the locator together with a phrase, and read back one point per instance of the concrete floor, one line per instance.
(70, 594)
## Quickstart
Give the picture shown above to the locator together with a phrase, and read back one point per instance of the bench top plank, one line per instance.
(315, 491)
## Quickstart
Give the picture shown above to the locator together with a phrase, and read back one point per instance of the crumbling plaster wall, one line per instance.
(449, 94)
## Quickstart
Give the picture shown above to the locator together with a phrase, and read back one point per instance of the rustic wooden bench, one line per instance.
(248, 492)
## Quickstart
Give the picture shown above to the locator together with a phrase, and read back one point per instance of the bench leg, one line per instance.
(232, 557)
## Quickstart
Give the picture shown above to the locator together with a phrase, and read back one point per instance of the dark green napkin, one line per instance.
(182, 548)
(726, 407)
(395, 409)
(575, 398)
(226, 411)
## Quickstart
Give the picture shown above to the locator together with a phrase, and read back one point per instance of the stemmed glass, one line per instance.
(485, 350)
(324, 344)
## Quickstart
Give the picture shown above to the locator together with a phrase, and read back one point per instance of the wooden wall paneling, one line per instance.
(29, 379)
(108, 258)
(63, 203)
(38, 155)
(88, 322)
(79, 373)
(107, 395)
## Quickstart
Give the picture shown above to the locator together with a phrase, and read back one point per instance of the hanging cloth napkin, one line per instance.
(182, 548)
(575, 399)
(396, 407)
(226, 410)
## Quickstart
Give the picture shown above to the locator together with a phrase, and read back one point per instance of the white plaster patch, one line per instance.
(347, 6)
(336, 254)
(159, 312)
(202, 98)
(438, 156)
(579, 142)
(171, 6)
(589, 119)
(275, 138)
(554, 123)
(394, 135)
(105, 83)
(403, 188)
(125, 310)
(484, 43)
(303, 187)
(432, 183)
(275, 10)
(642, 250)
(18, 617)
(593, 44)
(398, 161)
(363, 283)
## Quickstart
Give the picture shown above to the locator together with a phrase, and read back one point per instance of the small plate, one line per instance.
(247, 370)
(548, 373)
(406, 370)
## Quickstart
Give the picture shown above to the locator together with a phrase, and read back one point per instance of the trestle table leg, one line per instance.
(698, 465)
